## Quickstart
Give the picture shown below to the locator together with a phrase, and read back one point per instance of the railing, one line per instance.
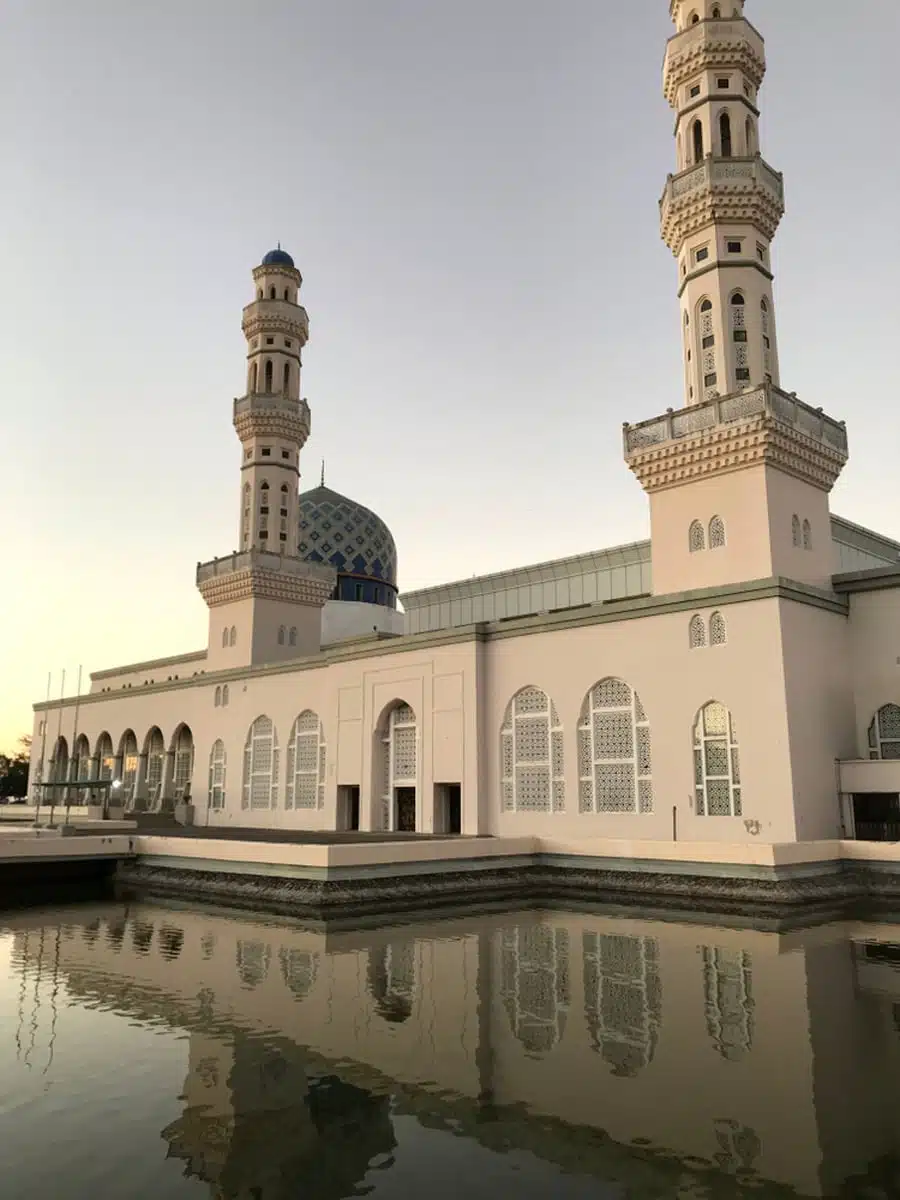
(723, 172)
(766, 400)
(266, 560)
(271, 402)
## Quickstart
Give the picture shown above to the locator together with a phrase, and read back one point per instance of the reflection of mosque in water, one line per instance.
(666, 1056)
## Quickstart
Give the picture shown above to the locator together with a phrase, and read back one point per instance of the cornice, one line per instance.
(746, 201)
(260, 583)
(607, 613)
(265, 269)
(272, 423)
(722, 265)
(760, 441)
(260, 324)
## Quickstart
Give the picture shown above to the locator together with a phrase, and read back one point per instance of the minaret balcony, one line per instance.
(733, 190)
(266, 574)
(278, 316)
(760, 425)
(713, 46)
(262, 414)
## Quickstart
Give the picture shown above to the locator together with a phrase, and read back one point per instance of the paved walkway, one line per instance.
(295, 836)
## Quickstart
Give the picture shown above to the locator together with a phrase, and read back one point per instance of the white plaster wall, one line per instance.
(343, 619)
(874, 639)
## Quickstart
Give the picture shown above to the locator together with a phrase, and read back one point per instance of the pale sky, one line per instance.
(470, 191)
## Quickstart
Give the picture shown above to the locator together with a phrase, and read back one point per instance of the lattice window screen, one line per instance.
(696, 632)
(217, 775)
(532, 758)
(614, 755)
(399, 758)
(884, 733)
(717, 776)
(305, 774)
(716, 533)
(260, 782)
(717, 630)
(696, 537)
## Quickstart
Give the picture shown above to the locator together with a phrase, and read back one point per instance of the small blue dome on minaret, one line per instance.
(279, 258)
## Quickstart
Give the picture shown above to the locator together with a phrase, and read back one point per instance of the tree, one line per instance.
(14, 770)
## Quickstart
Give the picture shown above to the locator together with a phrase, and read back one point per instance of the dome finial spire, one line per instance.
(322, 481)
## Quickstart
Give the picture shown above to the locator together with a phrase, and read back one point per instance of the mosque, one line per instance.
(731, 679)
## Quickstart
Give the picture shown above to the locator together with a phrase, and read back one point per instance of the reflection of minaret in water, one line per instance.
(256, 1124)
(30, 961)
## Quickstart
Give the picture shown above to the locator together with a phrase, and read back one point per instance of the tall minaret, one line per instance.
(265, 603)
(738, 478)
(721, 209)
(271, 420)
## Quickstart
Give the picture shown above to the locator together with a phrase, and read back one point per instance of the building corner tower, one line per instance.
(739, 477)
(264, 601)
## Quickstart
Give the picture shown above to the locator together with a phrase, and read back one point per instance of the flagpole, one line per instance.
(72, 760)
(40, 778)
(62, 692)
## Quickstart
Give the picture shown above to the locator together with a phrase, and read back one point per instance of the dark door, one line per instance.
(406, 810)
(353, 808)
(454, 808)
(877, 817)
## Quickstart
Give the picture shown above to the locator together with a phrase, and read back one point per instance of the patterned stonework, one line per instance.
(760, 441)
(314, 588)
(279, 419)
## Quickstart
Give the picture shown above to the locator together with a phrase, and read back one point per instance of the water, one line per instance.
(157, 1053)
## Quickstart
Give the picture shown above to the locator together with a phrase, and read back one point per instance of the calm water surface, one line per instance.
(155, 1052)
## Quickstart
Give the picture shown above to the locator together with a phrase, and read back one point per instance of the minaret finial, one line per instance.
(322, 481)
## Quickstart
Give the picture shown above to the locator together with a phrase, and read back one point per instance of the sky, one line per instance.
(470, 191)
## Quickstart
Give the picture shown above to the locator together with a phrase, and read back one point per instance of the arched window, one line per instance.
(287, 294)
(254, 371)
(59, 762)
(268, 375)
(717, 775)
(397, 748)
(796, 535)
(253, 962)
(217, 775)
(531, 755)
(535, 984)
(750, 137)
(155, 749)
(105, 758)
(225, 637)
(696, 537)
(304, 784)
(698, 141)
(725, 134)
(884, 733)
(259, 294)
(695, 18)
(717, 630)
(728, 991)
(807, 536)
(716, 13)
(271, 293)
(225, 696)
(183, 746)
(716, 533)
(218, 698)
(287, 378)
(82, 756)
(281, 632)
(615, 771)
(232, 637)
(622, 999)
(697, 632)
(767, 336)
(260, 783)
(128, 769)
(292, 636)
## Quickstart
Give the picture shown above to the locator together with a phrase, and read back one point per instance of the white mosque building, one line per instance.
(729, 680)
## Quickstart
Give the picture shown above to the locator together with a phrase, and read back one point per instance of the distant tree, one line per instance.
(14, 770)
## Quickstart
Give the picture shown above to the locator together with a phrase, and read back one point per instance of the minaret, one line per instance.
(739, 478)
(721, 209)
(265, 602)
(271, 420)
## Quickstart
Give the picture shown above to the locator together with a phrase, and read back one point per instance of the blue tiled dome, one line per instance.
(278, 257)
(353, 540)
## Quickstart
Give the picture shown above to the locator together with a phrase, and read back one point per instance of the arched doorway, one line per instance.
(183, 762)
(396, 745)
